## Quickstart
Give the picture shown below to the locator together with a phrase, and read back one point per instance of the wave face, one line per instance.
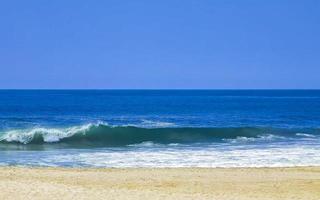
(160, 128)
(104, 135)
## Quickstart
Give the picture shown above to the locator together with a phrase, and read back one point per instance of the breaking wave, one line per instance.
(101, 134)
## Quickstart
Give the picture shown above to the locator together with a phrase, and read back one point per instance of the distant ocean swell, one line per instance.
(103, 135)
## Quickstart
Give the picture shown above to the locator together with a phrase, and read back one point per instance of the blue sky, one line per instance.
(171, 44)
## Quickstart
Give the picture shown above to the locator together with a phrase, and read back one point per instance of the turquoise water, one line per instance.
(160, 128)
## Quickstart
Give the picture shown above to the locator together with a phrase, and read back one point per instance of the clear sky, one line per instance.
(205, 44)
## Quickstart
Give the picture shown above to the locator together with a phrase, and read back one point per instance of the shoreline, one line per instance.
(18, 182)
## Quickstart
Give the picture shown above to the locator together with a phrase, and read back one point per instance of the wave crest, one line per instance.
(46, 135)
(101, 134)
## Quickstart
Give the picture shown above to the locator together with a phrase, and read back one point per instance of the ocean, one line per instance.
(160, 128)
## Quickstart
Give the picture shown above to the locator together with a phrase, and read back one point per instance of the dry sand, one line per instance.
(186, 183)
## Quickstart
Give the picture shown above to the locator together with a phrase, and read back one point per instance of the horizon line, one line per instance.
(159, 88)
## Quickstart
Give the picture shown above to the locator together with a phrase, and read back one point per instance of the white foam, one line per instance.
(211, 157)
(49, 135)
(145, 144)
(305, 135)
(148, 154)
(265, 137)
(151, 124)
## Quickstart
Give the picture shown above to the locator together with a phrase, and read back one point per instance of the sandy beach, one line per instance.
(176, 183)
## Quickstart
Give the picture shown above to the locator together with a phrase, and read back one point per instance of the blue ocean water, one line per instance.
(160, 128)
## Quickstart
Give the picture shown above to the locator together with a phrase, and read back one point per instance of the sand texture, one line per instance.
(185, 183)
